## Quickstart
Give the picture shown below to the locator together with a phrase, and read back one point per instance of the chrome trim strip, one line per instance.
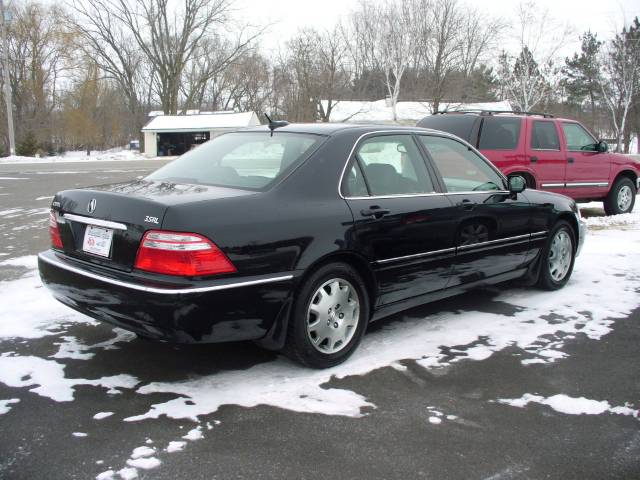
(587, 184)
(492, 242)
(540, 233)
(415, 255)
(463, 247)
(94, 221)
(576, 184)
(166, 291)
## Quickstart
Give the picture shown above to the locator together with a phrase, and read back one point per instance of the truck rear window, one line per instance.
(499, 133)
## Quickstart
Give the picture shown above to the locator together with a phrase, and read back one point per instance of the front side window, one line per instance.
(461, 168)
(578, 138)
(391, 165)
(248, 160)
(499, 133)
(544, 136)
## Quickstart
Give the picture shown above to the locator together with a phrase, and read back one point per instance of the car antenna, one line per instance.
(273, 124)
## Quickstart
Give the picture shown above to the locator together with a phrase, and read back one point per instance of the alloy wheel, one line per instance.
(625, 197)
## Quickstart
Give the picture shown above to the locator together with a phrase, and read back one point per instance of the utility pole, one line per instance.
(7, 83)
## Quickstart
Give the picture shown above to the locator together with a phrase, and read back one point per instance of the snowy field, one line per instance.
(542, 325)
(113, 155)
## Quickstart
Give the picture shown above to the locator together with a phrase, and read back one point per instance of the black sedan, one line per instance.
(298, 236)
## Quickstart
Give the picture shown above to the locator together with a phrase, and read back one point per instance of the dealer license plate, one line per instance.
(97, 240)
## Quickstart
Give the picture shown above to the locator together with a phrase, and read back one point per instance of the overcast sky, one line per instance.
(600, 16)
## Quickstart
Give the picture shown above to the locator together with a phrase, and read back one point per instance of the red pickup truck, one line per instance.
(555, 154)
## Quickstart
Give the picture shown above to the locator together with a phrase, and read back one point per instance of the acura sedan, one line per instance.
(298, 236)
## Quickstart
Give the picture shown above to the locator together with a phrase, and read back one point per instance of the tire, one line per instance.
(330, 299)
(558, 257)
(621, 197)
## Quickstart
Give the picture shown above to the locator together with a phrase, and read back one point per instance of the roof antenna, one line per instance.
(273, 124)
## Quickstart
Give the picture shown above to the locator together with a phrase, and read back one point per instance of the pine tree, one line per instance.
(28, 145)
(582, 72)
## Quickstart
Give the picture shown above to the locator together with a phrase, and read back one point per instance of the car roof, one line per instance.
(332, 128)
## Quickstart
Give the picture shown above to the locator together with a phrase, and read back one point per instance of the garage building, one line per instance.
(170, 135)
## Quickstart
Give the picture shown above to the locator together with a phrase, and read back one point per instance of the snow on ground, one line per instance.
(570, 405)
(115, 154)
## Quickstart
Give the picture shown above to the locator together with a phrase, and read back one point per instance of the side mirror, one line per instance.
(602, 147)
(517, 184)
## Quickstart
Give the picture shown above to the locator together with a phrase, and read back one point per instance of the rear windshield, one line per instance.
(499, 133)
(247, 160)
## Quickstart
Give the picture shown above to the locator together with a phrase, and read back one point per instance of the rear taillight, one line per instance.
(184, 254)
(54, 231)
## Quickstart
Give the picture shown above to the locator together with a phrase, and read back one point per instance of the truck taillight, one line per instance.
(54, 230)
(183, 254)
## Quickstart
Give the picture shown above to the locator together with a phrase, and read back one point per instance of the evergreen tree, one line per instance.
(582, 72)
(28, 145)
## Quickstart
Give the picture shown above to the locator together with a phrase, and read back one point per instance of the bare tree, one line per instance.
(40, 55)
(105, 39)
(621, 75)
(531, 75)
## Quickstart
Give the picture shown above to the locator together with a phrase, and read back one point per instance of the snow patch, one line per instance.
(48, 376)
(128, 473)
(79, 434)
(194, 434)
(570, 405)
(144, 463)
(143, 451)
(176, 446)
(101, 415)
(4, 405)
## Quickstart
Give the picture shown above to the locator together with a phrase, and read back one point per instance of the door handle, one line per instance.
(533, 159)
(467, 204)
(571, 159)
(375, 211)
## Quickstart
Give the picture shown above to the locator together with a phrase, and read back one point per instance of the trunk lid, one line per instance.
(118, 215)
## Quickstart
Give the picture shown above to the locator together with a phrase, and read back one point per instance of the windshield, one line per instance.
(248, 160)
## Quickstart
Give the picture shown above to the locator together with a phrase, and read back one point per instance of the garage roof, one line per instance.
(201, 122)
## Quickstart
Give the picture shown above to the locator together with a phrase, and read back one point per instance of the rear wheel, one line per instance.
(621, 197)
(329, 317)
(557, 257)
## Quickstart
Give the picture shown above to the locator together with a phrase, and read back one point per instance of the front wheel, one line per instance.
(557, 257)
(329, 317)
(621, 197)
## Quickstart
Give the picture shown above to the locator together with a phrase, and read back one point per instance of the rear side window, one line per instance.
(499, 133)
(544, 136)
(578, 138)
(458, 124)
(247, 160)
(388, 165)
(462, 169)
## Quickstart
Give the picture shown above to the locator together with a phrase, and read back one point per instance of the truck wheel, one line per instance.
(329, 317)
(621, 197)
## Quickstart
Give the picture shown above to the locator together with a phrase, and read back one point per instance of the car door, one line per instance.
(402, 223)
(547, 158)
(587, 169)
(492, 225)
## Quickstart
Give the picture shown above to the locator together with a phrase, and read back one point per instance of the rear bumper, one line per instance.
(203, 312)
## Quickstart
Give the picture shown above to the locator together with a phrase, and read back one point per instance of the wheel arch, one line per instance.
(355, 260)
(571, 219)
(630, 174)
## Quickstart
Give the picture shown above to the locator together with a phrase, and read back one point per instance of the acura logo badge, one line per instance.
(92, 205)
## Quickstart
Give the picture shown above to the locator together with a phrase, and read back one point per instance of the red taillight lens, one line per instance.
(184, 254)
(54, 231)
